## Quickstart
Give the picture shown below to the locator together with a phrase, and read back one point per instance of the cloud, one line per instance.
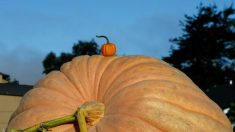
(21, 63)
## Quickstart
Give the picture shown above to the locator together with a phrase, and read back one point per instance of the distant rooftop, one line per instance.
(14, 89)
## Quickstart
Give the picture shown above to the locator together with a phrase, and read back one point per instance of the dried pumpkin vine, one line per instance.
(87, 114)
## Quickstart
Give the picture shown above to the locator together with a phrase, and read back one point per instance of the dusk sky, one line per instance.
(30, 29)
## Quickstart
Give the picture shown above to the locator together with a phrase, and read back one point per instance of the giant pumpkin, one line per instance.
(140, 94)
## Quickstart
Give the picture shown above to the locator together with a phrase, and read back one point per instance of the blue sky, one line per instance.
(31, 29)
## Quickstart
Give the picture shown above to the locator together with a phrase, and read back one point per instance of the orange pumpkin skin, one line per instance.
(108, 49)
(141, 94)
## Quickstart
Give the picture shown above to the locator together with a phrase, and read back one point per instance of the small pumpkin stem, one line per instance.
(107, 39)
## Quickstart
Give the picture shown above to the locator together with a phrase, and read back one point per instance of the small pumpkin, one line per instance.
(107, 49)
(139, 94)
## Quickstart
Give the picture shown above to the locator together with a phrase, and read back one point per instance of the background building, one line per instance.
(10, 96)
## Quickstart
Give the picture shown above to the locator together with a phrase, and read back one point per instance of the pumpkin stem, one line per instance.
(81, 119)
(107, 39)
(88, 113)
(44, 126)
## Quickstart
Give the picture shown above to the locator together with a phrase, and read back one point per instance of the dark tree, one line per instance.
(231, 113)
(52, 62)
(64, 57)
(206, 49)
(5, 76)
(86, 48)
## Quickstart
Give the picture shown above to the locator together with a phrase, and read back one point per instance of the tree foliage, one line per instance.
(206, 49)
(231, 112)
(5, 76)
(52, 62)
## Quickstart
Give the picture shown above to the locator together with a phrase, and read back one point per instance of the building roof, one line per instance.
(14, 89)
(223, 95)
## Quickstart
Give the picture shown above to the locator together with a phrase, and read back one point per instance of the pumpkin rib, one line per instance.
(133, 83)
(121, 71)
(76, 65)
(193, 96)
(128, 86)
(51, 100)
(93, 75)
(102, 73)
(136, 80)
(60, 92)
(117, 76)
(118, 59)
(77, 88)
(102, 66)
(157, 74)
(194, 123)
(50, 83)
(44, 103)
(86, 75)
(135, 119)
(96, 81)
(176, 103)
(116, 90)
(75, 91)
(190, 111)
(67, 70)
(106, 67)
(140, 118)
(78, 62)
(218, 122)
(90, 76)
